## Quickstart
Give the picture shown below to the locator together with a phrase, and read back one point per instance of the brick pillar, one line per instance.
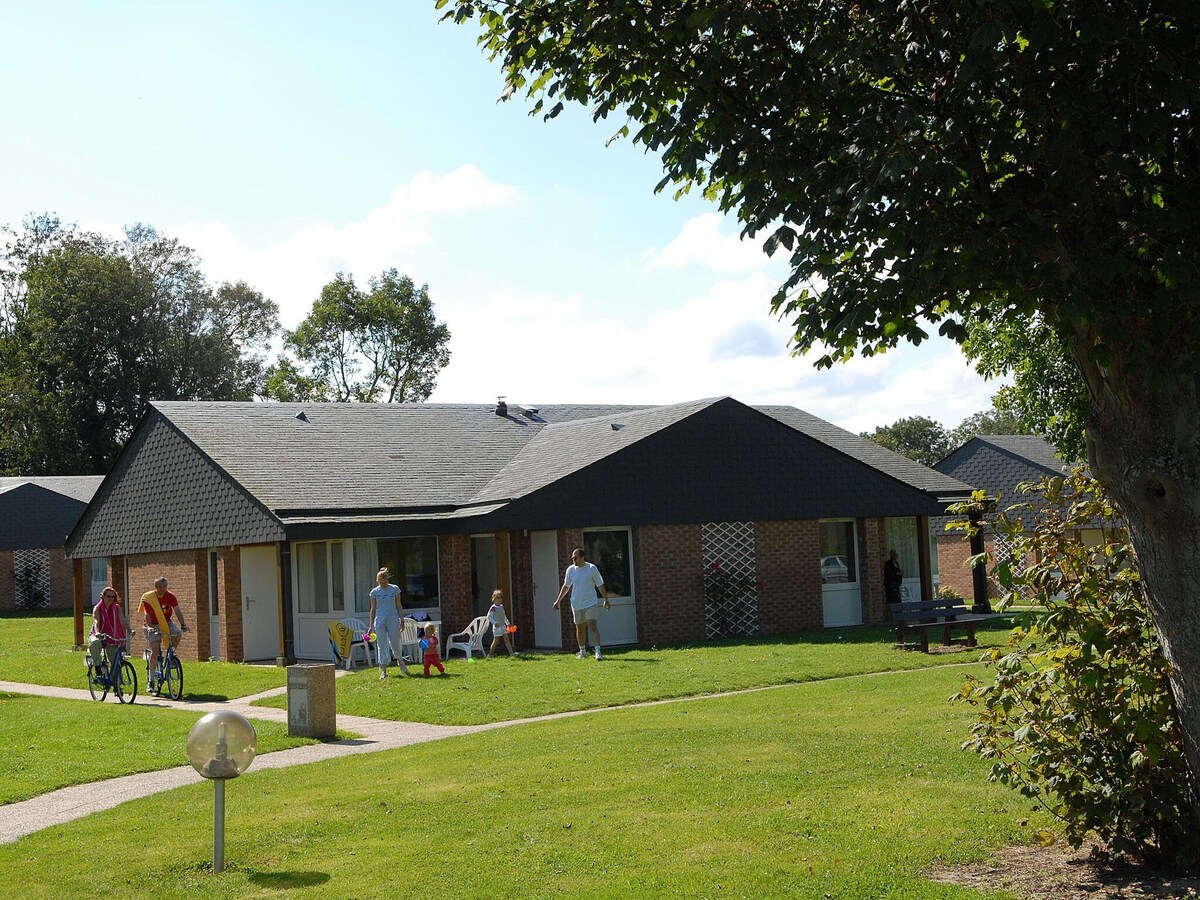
(230, 568)
(871, 539)
(454, 577)
(522, 587)
(80, 604)
(568, 540)
(117, 577)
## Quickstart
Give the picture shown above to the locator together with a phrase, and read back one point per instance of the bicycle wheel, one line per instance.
(97, 683)
(126, 685)
(174, 678)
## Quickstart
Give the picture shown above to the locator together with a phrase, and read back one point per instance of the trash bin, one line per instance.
(312, 707)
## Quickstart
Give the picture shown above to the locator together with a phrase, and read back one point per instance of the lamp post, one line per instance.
(221, 746)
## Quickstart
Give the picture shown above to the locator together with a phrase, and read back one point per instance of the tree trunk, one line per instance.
(1144, 445)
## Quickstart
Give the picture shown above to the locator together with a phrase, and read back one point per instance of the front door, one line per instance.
(547, 622)
(260, 602)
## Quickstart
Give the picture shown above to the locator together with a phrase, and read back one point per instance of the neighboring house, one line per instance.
(706, 519)
(996, 464)
(36, 515)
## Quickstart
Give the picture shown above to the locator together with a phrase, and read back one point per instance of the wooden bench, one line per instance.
(922, 615)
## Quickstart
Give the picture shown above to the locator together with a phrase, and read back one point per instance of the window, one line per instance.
(900, 534)
(609, 550)
(312, 577)
(839, 564)
(413, 563)
(100, 569)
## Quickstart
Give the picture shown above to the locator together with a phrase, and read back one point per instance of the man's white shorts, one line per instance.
(587, 614)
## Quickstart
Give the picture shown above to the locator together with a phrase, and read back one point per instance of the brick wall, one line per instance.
(568, 540)
(668, 575)
(179, 568)
(454, 577)
(229, 573)
(788, 560)
(872, 536)
(953, 553)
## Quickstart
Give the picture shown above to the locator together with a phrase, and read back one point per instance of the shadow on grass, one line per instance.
(282, 881)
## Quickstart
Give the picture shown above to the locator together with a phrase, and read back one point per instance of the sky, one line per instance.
(287, 142)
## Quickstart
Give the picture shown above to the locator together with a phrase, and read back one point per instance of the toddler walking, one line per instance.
(429, 647)
(498, 619)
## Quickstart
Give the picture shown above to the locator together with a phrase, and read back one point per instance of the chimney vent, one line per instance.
(501, 407)
(301, 416)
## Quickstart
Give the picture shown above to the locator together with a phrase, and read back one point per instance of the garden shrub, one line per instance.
(1080, 716)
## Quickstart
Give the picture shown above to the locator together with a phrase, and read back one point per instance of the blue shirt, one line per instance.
(385, 600)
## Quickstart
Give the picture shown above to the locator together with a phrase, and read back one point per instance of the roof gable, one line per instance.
(33, 516)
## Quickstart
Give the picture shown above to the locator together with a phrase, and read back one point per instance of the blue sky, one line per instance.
(290, 141)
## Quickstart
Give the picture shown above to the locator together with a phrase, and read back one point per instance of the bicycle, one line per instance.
(121, 679)
(169, 672)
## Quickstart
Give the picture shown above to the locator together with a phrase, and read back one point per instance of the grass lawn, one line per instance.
(846, 789)
(89, 741)
(535, 684)
(35, 648)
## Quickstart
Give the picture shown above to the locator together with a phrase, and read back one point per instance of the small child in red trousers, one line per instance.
(429, 644)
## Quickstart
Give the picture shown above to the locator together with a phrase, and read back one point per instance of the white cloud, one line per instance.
(293, 272)
(547, 349)
(702, 242)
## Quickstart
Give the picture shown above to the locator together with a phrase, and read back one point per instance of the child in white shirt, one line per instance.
(498, 619)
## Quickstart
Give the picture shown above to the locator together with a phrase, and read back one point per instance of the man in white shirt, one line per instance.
(586, 587)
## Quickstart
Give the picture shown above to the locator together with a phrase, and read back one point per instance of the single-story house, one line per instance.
(997, 464)
(706, 518)
(36, 515)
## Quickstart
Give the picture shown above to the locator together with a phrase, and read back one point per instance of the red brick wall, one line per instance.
(789, 567)
(953, 552)
(454, 577)
(229, 574)
(871, 539)
(179, 568)
(668, 579)
(568, 540)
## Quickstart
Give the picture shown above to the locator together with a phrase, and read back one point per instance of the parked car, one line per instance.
(834, 569)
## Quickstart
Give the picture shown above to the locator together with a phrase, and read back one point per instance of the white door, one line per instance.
(547, 622)
(260, 603)
(99, 579)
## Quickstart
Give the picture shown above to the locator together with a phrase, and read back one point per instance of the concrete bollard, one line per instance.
(312, 704)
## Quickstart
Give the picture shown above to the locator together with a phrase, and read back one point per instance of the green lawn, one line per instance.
(536, 684)
(848, 789)
(90, 741)
(35, 648)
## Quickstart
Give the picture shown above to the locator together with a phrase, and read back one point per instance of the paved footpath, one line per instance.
(66, 804)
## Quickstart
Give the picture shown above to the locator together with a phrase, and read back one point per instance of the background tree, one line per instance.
(92, 330)
(381, 344)
(928, 164)
(916, 437)
(1047, 396)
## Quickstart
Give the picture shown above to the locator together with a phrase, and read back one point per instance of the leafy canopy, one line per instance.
(92, 330)
(384, 343)
(922, 163)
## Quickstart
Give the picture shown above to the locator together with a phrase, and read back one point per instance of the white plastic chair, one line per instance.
(410, 634)
(470, 640)
(358, 642)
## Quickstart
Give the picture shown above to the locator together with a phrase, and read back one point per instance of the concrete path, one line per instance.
(66, 804)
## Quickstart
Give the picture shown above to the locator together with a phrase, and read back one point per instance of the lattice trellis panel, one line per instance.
(32, 575)
(730, 579)
(1005, 549)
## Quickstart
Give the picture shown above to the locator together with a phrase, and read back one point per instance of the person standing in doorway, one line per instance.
(893, 577)
(385, 622)
(585, 586)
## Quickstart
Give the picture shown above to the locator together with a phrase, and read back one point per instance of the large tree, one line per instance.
(917, 437)
(930, 163)
(92, 330)
(384, 343)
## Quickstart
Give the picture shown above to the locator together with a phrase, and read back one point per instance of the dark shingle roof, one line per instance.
(77, 487)
(999, 463)
(869, 452)
(39, 512)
